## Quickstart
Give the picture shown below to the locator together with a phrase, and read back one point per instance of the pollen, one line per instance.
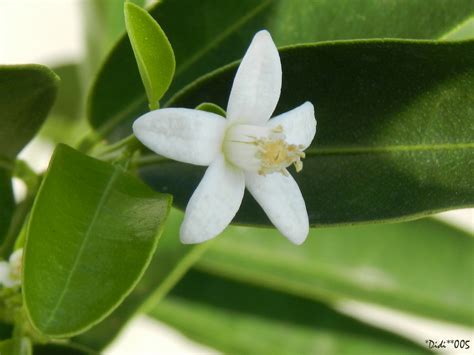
(275, 154)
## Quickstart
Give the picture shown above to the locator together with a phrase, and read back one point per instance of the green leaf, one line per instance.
(15, 346)
(394, 138)
(153, 52)
(7, 203)
(62, 349)
(213, 108)
(92, 233)
(420, 267)
(70, 96)
(104, 24)
(170, 262)
(27, 93)
(236, 318)
(226, 29)
(464, 31)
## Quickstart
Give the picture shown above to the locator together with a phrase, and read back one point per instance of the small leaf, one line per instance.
(153, 52)
(27, 93)
(170, 262)
(420, 267)
(213, 108)
(92, 233)
(238, 318)
(395, 138)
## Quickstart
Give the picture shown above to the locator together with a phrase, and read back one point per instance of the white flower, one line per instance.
(244, 150)
(10, 272)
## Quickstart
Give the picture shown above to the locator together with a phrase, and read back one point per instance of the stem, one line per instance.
(130, 143)
(88, 142)
(32, 181)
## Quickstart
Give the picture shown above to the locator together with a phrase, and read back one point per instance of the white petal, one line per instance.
(281, 199)
(214, 203)
(257, 84)
(189, 136)
(299, 124)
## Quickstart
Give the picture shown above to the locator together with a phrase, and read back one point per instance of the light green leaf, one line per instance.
(421, 267)
(394, 138)
(464, 31)
(27, 93)
(153, 52)
(16, 346)
(227, 27)
(92, 233)
(213, 108)
(170, 262)
(237, 318)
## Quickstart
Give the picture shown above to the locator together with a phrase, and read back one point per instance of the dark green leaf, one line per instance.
(92, 233)
(240, 319)
(153, 52)
(27, 93)
(212, 33)
(394, 138)
(171, 260)
(15, 346)
(104, 24)
(7, 203)
(422, 267)
(70, 97)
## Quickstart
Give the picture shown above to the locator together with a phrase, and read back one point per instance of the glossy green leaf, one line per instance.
(422, 267)
(153, 52)
(170, 262)
(212, 33)
(236, 318)
(92, 233)
(394, 138)
(16, 346)
(27, 93)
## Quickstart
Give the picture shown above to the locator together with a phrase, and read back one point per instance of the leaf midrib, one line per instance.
(312, 151)
(100, 205)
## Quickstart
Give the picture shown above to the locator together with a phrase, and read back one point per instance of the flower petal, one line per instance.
(257, 84)
(281, 199)
(214, 203)
(189, 136)
(299, 124)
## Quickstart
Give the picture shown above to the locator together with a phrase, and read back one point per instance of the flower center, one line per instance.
(261, 149)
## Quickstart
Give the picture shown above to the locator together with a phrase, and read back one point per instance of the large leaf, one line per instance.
(395, 138)
(420, 267)
(240, 319)
(211, 33)
(27, 93)
(92, 232)
(171, 260)
(153, 52)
